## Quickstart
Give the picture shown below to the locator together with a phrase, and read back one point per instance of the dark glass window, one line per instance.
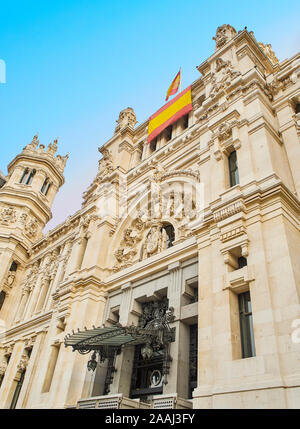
(13, 266)
(242, 262)
(246, 325)
(2, 298)
(45, 187)
(25, 176)
(169, 133)
(170, 235)
(193, 359)
(30, 177)
(297, 109)
(233, 169)
(153, 145)
(186, 121)
(147, 373)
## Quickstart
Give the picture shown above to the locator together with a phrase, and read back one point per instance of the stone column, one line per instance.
(6, 259)
(32, 301)
(9, 383)
(136, 159)
(145, 150)
(124, 361)
(288, 130)
(63, 259)
(71, 380)
(205, 327)
(73, 260)
(30, 390)
(45, 284)
(125, 154)
(22, 303)
(178, 378)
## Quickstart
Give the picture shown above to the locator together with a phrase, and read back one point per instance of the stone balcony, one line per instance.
(118, 401)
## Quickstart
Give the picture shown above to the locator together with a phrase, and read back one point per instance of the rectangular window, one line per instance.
(2, 298)
(193, 359)
(169, 133)
(246, 325)
(233, 169)
(185, 121)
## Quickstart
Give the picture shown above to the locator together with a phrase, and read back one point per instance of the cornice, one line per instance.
(37, 159)
(26, 194)
(24, 327)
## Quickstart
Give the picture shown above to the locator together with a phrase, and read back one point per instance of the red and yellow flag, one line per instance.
(170, 113)
(174, 85)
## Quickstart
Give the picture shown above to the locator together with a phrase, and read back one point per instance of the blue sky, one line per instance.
(71, 66)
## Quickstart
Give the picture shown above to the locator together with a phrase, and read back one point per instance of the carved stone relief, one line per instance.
(8, 216)
(224, 33)
(126, 118)
(222, 77)
(268, 51)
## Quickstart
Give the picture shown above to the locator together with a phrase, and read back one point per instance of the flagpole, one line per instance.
(180, 80)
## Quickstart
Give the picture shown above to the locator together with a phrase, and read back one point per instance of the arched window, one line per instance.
(2, 298)
(30, 178)
(13, 266)
(25, 176)
(170, 234)
(233, 169)
(185, 121)
(169, 133)
(297, 108)
(153, 145)
(45, 187)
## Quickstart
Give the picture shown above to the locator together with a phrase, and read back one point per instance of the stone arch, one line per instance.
(141, 218)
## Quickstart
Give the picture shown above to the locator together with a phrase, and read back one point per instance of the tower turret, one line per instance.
(26, 196)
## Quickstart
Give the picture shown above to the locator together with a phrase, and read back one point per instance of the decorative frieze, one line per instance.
(222, 77)
(229, 210)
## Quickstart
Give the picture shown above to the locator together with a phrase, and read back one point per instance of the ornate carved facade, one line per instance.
(171, 246)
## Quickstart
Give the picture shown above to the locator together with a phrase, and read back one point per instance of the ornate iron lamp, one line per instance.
(92, 363)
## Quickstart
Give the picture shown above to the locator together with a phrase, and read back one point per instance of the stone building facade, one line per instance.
(194, 237)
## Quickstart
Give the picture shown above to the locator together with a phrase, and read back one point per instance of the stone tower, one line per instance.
(26, 196)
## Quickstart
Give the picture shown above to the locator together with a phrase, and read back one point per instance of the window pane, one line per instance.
(233, 169)
(246, 325)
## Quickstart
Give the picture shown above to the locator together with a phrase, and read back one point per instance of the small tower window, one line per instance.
(25, 176)
(233, 169)
(297, 108)
(30, 177)
(45, 187)
(169, 133)
(153, 145)
(185, 121)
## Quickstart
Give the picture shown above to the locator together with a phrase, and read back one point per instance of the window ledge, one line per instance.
(238, 280)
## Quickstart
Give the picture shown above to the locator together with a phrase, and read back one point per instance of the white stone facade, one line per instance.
(112, 256)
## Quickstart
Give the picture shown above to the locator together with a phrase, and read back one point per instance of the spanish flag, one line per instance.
(170, 113)
(174, 85)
